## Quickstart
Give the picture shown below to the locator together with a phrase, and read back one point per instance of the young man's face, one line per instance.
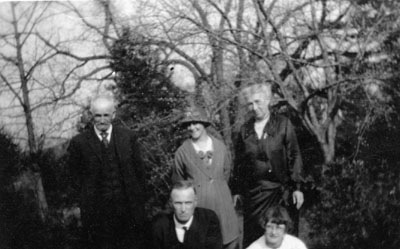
(184, 201)
(274, 234)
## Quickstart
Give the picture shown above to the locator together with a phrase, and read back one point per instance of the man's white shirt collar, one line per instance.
(109, 130)
(179, 228)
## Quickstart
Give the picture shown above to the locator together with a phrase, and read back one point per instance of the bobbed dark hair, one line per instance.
(278, 215)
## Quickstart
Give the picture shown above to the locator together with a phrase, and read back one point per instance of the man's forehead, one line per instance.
(103, 107)
(183, 194)
(103, 111)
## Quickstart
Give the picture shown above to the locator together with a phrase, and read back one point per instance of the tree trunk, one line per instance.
(25, 102)
(218, 64)
(40, 195)
(327, 142)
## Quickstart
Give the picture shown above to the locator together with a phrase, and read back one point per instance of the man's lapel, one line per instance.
(93, 142)
(173, 237)
(122, 145)
(193, 230)
(120, 141)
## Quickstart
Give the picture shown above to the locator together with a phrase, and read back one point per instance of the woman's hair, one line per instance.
(264, 88)
(268, 89)
(277, 215)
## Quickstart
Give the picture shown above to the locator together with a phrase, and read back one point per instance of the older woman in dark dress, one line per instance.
(205, 160)
(268, 164)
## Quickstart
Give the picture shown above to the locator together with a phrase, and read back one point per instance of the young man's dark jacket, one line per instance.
(204, 232)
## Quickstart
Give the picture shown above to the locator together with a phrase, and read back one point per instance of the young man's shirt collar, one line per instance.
(179, 228)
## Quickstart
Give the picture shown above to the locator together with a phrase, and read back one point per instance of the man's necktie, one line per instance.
(184, 233)
(104, 138)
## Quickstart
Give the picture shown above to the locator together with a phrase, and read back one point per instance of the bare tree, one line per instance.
(40, 73)
(311, 49)
(193, 32)
(321, 61)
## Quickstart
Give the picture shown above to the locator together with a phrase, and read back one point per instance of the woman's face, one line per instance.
(258, 105)
(274, 234)
(196, 130)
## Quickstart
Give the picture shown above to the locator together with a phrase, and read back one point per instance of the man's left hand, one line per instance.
(298, 198)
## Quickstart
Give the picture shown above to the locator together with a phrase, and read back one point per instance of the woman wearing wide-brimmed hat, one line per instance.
(205, 160)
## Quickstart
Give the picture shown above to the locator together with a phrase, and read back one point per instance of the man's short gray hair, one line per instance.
(102, 99)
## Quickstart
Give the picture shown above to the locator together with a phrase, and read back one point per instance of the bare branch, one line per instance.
(73, 90)
(104, 34)
(67, 53)
(9, 85)
(184, 55)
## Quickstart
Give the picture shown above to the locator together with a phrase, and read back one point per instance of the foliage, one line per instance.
(19, 221)
(9, 155)
(20, 224)
(142, 85)
(358, 199)
(359, 207)
(150, 104)
(9, 158)
(371, 107)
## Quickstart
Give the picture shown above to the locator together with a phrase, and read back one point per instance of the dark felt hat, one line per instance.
(195, 114)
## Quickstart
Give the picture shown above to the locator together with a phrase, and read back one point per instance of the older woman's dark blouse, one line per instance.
(265, 167)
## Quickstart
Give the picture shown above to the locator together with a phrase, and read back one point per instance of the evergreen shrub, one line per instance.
(358, 207)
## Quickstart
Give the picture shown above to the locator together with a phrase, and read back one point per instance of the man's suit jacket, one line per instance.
(85, 160)
(204, 233)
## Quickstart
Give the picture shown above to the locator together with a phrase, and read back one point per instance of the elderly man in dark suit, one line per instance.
(268, 164)
(106, 165)
(188, 227)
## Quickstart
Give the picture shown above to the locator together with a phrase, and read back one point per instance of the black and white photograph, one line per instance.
(200, 124)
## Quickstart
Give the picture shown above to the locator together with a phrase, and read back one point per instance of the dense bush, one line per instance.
(158, 141)
(9, 159)
(359, 207)
(20, 223)
(9, 155)
(149, 104)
